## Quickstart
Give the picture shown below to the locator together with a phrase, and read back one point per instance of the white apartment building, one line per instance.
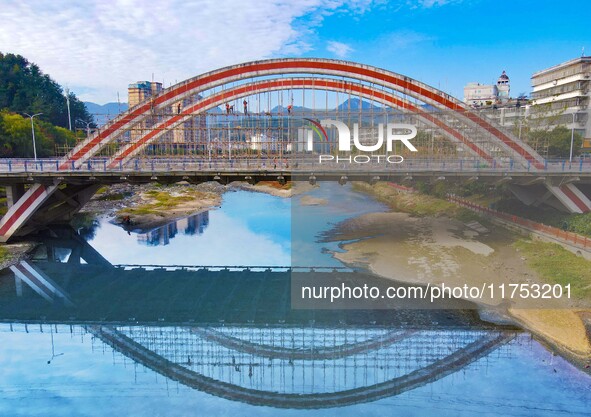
(561, 95)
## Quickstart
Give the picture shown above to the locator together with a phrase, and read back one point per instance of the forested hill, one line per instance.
(25, 89)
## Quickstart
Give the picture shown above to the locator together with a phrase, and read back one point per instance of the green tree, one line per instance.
(16, 138)
(558, 140)
(25, 89)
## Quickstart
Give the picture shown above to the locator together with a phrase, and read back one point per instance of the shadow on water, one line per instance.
(182, 322)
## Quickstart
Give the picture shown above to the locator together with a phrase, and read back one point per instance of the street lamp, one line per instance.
(87, 126)
(68, 105)
(33, 131)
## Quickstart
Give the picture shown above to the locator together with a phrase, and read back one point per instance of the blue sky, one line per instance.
(97, 47)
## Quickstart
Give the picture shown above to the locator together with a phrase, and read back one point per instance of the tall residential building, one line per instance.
(186, 137)
(561, 95)
(136, 93)
(141, 90)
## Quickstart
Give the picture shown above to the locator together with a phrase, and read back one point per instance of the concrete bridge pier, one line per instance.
(13, 193)
(42, 204)
(564, 196)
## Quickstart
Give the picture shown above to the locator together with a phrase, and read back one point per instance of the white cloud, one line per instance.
(98, 47)
(339, 49)
(403, 39)
(427, 4)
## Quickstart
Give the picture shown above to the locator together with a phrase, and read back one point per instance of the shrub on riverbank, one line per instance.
(416, 204)
(500, 198)
(557, 265)
(576, 223)
(4, 254)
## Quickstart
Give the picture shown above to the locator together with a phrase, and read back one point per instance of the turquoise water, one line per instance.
(255, 362)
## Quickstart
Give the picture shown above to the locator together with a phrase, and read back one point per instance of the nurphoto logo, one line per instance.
(393, 132)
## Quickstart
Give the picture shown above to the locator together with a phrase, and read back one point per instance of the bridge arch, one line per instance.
(44, 202)
(318, 67)
(364, 91)
(437, 369)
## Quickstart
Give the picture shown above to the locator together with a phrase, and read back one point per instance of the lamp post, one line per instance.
(33, 131)
(87, 126)
(68, 105)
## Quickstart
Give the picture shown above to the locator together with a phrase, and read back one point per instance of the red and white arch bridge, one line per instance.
(168, 138)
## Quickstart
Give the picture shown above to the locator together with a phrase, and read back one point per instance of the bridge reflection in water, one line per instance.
(231, 332)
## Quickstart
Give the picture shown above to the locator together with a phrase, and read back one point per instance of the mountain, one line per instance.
(356, 104)
(295, 109)
(105, 112)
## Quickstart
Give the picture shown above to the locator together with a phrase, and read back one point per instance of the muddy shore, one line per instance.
(440, 249)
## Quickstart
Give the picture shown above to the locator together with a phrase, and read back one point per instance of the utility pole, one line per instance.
(33, 132)
(68, 105)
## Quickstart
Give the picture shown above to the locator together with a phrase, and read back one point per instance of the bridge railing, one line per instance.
(565, 236)
(294, 164)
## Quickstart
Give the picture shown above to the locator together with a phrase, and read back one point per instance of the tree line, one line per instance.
(25, 89)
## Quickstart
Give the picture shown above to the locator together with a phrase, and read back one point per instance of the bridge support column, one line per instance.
(564, 197)
(42, 205)
(571, 197)
(23, 209)
(13, 193)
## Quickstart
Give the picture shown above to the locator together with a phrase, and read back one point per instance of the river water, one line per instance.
(110, 322)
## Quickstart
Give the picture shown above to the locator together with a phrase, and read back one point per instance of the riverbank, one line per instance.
(144, 207)
(141, 208)
(11, 254)
(426, 240)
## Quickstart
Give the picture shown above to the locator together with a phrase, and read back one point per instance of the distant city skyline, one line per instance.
(97, 48)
